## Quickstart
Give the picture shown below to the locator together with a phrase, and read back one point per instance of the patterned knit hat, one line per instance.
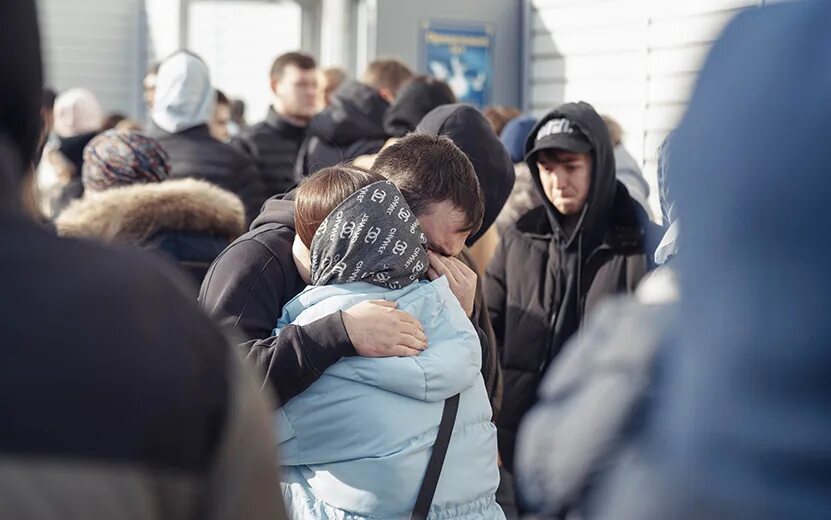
(116, 158)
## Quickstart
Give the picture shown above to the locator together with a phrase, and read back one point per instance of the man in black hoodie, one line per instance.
(275, 142)
(253, 279)
(353, 125)
(587, 240)
(120, 398)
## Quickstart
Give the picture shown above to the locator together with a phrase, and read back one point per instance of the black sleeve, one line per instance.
(495, 291)
(297, 357)
(244, 288)
(491, 370)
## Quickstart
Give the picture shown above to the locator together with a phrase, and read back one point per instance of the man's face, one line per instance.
(295, 92)
(446, 228)
(218, 125)
(566, 179)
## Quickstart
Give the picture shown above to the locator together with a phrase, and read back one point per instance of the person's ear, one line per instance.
(274, 82)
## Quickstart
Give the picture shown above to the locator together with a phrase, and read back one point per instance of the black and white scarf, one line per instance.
(372, 236)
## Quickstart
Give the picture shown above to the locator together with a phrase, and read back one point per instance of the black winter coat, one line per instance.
(352, 126)
(247, 287)
(194, 153)
(542, 280)
(274, 145)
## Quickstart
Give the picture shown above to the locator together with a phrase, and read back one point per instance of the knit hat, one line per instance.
(77, 111)
(116, 158)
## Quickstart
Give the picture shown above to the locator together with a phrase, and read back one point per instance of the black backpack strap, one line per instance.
(431, 476)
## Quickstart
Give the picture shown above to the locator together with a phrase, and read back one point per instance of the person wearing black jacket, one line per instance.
(253, 279)
(471, 132)
(353, 125)
(183, 105)
(588, 240)
(120, 399)
(417, 97)
(275, 142)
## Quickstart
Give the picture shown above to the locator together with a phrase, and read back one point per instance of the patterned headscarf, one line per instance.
(116, 158)
(373, 236)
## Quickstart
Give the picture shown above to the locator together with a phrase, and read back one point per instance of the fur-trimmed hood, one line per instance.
(135, 213)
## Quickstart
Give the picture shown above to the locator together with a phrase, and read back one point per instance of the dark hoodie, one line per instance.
(353, 125)
(418, 97)
(543, 279)
(741, 423)
(247, 287)
(120, 399)
(472, 133)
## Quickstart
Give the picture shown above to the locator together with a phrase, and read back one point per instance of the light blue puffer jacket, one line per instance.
(356, 443)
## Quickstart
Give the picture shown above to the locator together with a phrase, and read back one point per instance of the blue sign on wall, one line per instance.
(461, 55)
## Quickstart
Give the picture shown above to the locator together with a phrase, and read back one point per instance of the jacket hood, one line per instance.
(413, 102)
(357, 112)
(472, 133)
(21, 91)
(372, 236)
(279, 209)
(603, 182)
(132, 214)
(184, 96)
(514, 135)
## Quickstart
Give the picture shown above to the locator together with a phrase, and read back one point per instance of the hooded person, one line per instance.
(129, 199)
(356, 443)
(353, 125)
(739, 424)
(182, 107)
(592, 399)
(524, 196)
(417, 97)
(142, 410)
(471, 132)
(587, 241)
(78, 118)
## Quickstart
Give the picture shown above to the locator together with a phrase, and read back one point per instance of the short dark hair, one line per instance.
(430, 170)
(321, 192)
(300, 60)
(387, 73)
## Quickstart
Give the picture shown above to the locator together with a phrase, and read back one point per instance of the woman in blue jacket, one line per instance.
(356, 443)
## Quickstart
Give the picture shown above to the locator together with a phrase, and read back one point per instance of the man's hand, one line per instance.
(378, 329)
(462, 278)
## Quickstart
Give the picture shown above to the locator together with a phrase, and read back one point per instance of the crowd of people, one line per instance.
(379, 302)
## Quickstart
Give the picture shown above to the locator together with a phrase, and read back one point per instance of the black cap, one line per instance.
(562, 134)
